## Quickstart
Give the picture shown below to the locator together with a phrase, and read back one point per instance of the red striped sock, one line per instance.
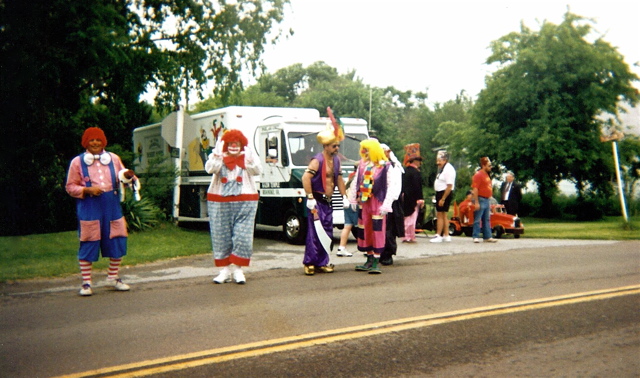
(114, 266)
(85, 270)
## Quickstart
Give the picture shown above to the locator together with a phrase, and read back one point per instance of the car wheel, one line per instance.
(452, 230)
(294, 228)
(517, 236)
(497, 232)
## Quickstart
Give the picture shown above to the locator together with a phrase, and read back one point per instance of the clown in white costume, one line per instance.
(232, 201)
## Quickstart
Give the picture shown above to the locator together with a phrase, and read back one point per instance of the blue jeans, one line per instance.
(483, 214)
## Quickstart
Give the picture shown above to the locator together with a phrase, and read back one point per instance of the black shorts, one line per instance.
(447, 201)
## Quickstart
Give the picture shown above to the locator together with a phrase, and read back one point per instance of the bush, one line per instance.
(141, 215)
(157, 185)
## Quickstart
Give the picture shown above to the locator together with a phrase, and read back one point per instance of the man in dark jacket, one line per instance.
(510, 194)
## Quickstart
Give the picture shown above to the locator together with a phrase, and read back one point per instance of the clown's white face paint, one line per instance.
(234, 148)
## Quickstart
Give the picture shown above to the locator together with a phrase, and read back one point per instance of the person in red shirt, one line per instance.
(482, 193)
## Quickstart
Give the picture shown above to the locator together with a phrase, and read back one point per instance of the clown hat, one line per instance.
(411, 153)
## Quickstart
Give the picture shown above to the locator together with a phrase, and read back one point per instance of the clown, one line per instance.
(374, 198)
(94, 178)
(319, 180)
(232, 201)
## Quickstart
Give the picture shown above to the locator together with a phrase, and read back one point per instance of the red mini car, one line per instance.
(501, 222)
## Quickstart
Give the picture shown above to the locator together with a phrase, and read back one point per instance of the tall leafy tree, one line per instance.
(538, 113)
(69, 64)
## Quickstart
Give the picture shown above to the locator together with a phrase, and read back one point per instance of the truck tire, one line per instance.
(294, 228)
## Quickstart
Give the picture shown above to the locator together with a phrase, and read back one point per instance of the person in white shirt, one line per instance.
(444, 186)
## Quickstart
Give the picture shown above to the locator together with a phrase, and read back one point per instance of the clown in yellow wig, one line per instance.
(374, 201)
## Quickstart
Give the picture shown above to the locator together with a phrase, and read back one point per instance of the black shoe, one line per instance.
(387, 261)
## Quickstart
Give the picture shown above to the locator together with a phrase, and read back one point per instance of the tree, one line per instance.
(538, 113)
(68, 64)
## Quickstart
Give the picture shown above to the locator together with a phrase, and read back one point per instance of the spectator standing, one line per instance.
(444, 186)
(511, 194)
(350, 219)
(93, 180)
(412, 197)
(482, 192)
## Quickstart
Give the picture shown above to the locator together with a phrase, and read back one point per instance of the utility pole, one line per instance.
(615, 136)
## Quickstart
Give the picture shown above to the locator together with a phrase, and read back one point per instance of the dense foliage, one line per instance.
(69, 64)
(540, 112)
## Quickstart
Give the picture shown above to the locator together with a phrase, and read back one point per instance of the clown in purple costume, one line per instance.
(319, 180)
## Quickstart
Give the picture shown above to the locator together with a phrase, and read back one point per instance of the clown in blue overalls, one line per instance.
(232, 202)
(95, 179)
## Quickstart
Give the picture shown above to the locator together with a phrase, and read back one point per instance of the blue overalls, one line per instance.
(101, 225)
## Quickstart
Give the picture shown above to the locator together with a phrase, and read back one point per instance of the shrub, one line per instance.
(141, 215)
(157, 184)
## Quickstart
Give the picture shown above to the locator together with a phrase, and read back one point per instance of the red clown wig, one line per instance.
(93, 133)
(234, 136)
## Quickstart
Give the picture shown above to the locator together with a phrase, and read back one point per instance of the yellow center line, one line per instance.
(212, 356)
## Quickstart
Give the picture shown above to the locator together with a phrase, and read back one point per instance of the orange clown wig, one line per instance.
(93, 133)
(232, 136)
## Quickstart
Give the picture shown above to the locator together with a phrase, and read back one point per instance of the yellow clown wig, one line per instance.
(376, 153)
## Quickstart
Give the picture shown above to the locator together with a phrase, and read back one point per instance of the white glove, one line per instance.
(248, 155)
(345, 202)
(384, 210)
(311, 204)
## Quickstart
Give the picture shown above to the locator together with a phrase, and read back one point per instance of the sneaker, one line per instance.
(224, 276)
(476, 240)
(491, 240)
(447, 239)
(85, 290)
(238, 276)
(342, 252)
(437, 239)
(117, 284)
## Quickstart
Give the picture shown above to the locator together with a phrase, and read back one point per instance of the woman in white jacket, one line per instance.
(232, 201)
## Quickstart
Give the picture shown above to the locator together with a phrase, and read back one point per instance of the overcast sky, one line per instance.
(435, 46)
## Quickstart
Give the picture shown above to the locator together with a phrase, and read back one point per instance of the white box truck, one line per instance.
(284, 139)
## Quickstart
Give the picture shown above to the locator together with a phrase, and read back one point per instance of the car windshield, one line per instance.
(304, 146)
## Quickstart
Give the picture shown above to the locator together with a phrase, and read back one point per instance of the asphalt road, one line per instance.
(517, 308)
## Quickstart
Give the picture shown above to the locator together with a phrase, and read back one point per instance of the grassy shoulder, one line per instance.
(54, 255)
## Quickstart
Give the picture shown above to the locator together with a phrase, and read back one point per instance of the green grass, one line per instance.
(54, 255)
(611, 228)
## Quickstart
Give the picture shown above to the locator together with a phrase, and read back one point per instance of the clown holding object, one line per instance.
(232, 201)
(94, 178)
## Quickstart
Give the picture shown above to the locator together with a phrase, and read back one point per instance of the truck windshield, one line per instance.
(304, 146)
